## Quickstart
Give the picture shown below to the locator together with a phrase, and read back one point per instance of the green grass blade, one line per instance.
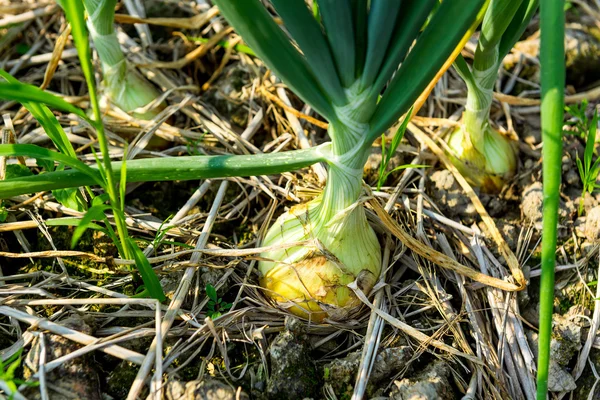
(71, 198)
(360, 14)
(74, 221)
(158, 169)
(123, 180)
(261, 33)
(306, 31)
(382, 19)
(413, 15)
(52, 128)
(92, 214)
(517, 26)
(46, 119)
(75, 15)
(591, 140)
(24, 93)
(150, 279)
(425, 59)
(339, 26)
(31, 150)
(399, 134)
(552, 58)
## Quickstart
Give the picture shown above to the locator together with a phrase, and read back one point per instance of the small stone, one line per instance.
(565, 343)
(560, 380)
(592, 225)
(174, 390)
(566, 339)
(510, 233)
(571, 177)
(431, 384)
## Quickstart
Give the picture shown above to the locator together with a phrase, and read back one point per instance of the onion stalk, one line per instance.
(485, 157)
(123, 85)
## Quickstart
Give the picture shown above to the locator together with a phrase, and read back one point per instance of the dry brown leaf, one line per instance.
(435, 256)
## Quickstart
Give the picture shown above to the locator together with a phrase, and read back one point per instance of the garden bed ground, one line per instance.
(425, 330)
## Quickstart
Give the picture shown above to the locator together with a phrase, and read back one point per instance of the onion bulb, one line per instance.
(311, 280)
(488, 169)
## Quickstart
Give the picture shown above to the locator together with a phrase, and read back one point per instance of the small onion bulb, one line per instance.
(490, 169)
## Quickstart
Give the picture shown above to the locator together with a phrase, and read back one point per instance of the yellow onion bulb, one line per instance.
(311, 280)
(488, 170)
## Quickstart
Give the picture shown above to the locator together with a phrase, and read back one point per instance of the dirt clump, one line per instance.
(293, 373)
(77, 377)
(430, 384)
(341, 373)
(450, 197)
(206, 389)
(531, 205)
(565, 343)
(592, 225)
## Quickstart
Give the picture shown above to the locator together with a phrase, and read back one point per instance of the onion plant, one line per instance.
(123, 85)
(361, 65)
(552, 58)
(483, 155)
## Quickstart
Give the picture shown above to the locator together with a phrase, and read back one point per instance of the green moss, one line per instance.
(120, 380)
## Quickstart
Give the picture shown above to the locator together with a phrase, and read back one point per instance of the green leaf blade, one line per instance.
(517, 26)
(339, 26)
(382, 19)
(305, 30)
(154, 169)
(425, 59)
(413, 15)
(144, 267)
(257, 28)
(23, 93)
(92, 214)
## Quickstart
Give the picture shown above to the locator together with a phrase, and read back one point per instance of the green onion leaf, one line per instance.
(262, 34)
(339, 27)
(426, 58)
(153, 169)
(306, 31)
(360, 13)
(382, 19)
(413, 15)
(552, 58)
(517, 26)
